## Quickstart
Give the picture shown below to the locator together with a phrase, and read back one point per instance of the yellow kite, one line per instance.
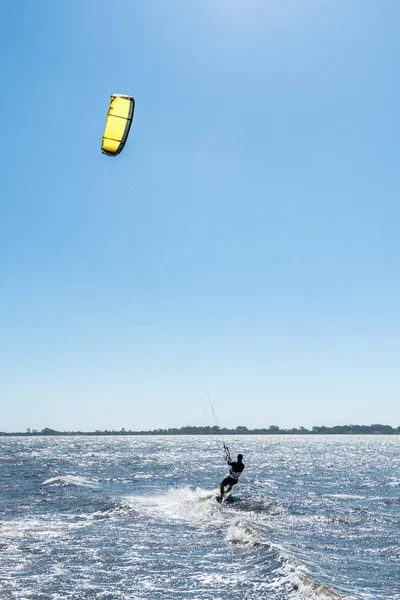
(118, 124)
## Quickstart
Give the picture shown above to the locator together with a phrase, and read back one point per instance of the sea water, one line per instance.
(135, 517)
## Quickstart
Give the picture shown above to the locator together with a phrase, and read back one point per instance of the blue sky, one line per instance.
(244, 246)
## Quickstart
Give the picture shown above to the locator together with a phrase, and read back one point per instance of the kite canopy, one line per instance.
(118, 124)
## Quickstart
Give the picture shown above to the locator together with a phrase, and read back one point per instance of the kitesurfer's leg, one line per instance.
(221, 490)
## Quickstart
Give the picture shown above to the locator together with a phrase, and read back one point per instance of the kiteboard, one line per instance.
(227, 498)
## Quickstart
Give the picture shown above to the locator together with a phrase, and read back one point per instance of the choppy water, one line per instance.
(114, 518)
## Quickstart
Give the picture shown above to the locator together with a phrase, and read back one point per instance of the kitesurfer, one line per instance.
(236, 468)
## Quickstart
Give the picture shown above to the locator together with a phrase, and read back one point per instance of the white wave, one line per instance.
(142, 476)
(297, 583)
(305, 589)
(394, 482)
(68, 480)
(195, 507)
(237, 534)
(370, 484)
(346, 496)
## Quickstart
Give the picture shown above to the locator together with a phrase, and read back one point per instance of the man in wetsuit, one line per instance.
(233, 477)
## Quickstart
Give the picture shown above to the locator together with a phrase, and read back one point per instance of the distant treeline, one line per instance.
(240, 429)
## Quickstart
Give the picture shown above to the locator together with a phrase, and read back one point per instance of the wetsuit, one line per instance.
(236, 469)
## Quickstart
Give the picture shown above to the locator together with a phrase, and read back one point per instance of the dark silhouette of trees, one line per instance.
(375, 429)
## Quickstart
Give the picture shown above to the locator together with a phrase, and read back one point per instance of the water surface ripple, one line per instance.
(314, 517)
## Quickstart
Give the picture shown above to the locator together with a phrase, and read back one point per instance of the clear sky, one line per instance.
(245, 246)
